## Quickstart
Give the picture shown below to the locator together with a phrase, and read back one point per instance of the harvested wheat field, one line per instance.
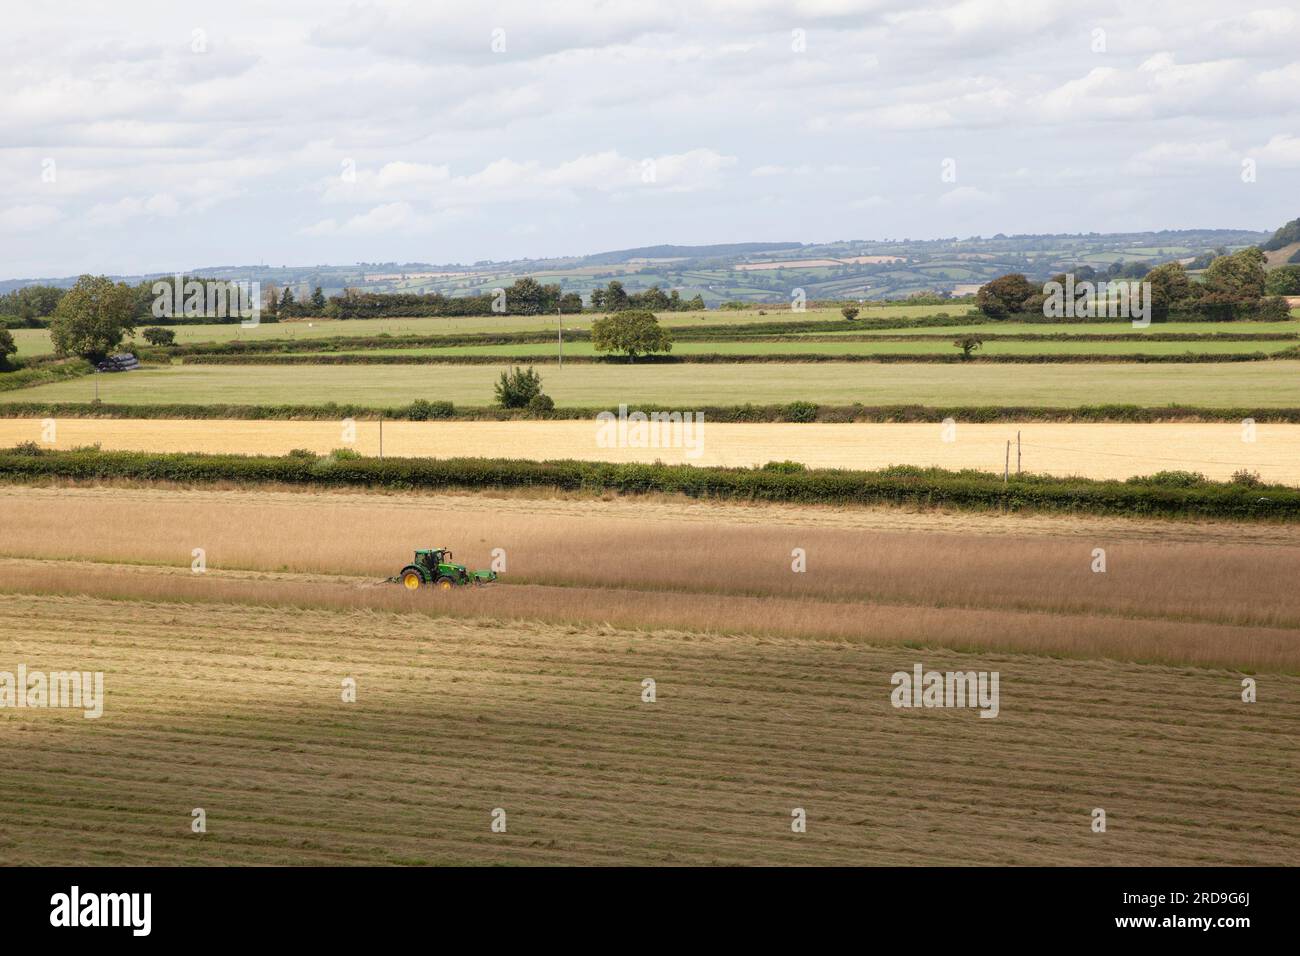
(1173, 592)
(239, 711)
(1091, 450)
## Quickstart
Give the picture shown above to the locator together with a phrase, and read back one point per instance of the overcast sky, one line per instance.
(141, 136)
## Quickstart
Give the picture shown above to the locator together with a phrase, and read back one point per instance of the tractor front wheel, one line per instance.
(444, 583)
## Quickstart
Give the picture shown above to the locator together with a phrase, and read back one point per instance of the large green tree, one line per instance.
(1238, 276)
(92, 317)
(1284, 280)
(635, 332)
(1004, 295)
(1169, 287)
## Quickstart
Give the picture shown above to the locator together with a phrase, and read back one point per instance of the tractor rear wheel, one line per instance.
(411, 580)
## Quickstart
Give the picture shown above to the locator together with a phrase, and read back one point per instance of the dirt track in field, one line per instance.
(238, 711)
(1091, 450)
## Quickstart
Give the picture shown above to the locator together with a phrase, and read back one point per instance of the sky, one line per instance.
(154, 137)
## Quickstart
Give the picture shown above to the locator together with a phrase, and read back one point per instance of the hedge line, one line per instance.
(929, 487)
(756, 331)
(716, 358)
(788, 412)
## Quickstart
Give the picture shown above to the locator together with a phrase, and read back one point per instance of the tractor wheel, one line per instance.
(411, 580)
(444, 583)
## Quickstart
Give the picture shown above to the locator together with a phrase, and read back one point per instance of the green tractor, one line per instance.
(433, 567)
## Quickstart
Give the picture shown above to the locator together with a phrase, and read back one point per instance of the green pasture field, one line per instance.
(37, 341)
(939, 346)
(1240, 384)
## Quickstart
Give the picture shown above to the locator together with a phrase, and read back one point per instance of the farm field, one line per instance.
(37, 341)
(237, 710)
(1174, 590)
(1117, 450)
(772, 689)
(936, 345)
(1274, 384)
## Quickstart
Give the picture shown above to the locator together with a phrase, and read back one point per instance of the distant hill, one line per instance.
(765, 272)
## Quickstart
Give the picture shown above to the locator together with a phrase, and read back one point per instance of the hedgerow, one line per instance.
(798, 411)
(928, 487)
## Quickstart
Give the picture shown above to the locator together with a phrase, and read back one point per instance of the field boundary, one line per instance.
(790, 412)
(1173, 494)
(728, 358)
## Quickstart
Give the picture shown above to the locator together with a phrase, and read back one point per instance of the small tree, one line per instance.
(517, 387)
(849, 312)
(92, 317)
(317, 300)
(7, 347)
(968, 344)
(634, 333)
(158, 336)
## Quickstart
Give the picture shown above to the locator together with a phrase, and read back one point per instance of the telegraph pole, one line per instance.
(1017, 451)
(1006, 468)
(559, 334)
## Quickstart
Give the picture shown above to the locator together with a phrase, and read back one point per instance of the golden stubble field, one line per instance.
(1212, 593)
(239, 711)
(1091, 450)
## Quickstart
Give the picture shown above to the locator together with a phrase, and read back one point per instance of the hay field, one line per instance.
(1060, 448)
(238, 710)
(1182, 593)
(1272, 384)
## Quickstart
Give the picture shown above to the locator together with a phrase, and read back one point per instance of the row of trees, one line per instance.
(1231, 287)
(614, 298)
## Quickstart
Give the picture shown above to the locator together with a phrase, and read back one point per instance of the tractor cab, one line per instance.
(431, 557)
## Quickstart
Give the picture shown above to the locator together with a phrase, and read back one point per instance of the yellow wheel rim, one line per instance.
(411, 580)
(445, 585)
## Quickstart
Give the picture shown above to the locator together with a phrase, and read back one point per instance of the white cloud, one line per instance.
(26, 218)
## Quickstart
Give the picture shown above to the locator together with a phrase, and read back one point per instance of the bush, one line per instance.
(1170, 479)
(518, 387)
(1246, 478)
(849, 312)
(158, 336)
(345, 454)
(541, 404)
(801, 412)
(302, 453)
(785, 467)
(421, 410)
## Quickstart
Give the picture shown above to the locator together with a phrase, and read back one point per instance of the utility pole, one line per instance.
(1006, 468)
(1017, 451)
(381, 436)
(559, 334)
